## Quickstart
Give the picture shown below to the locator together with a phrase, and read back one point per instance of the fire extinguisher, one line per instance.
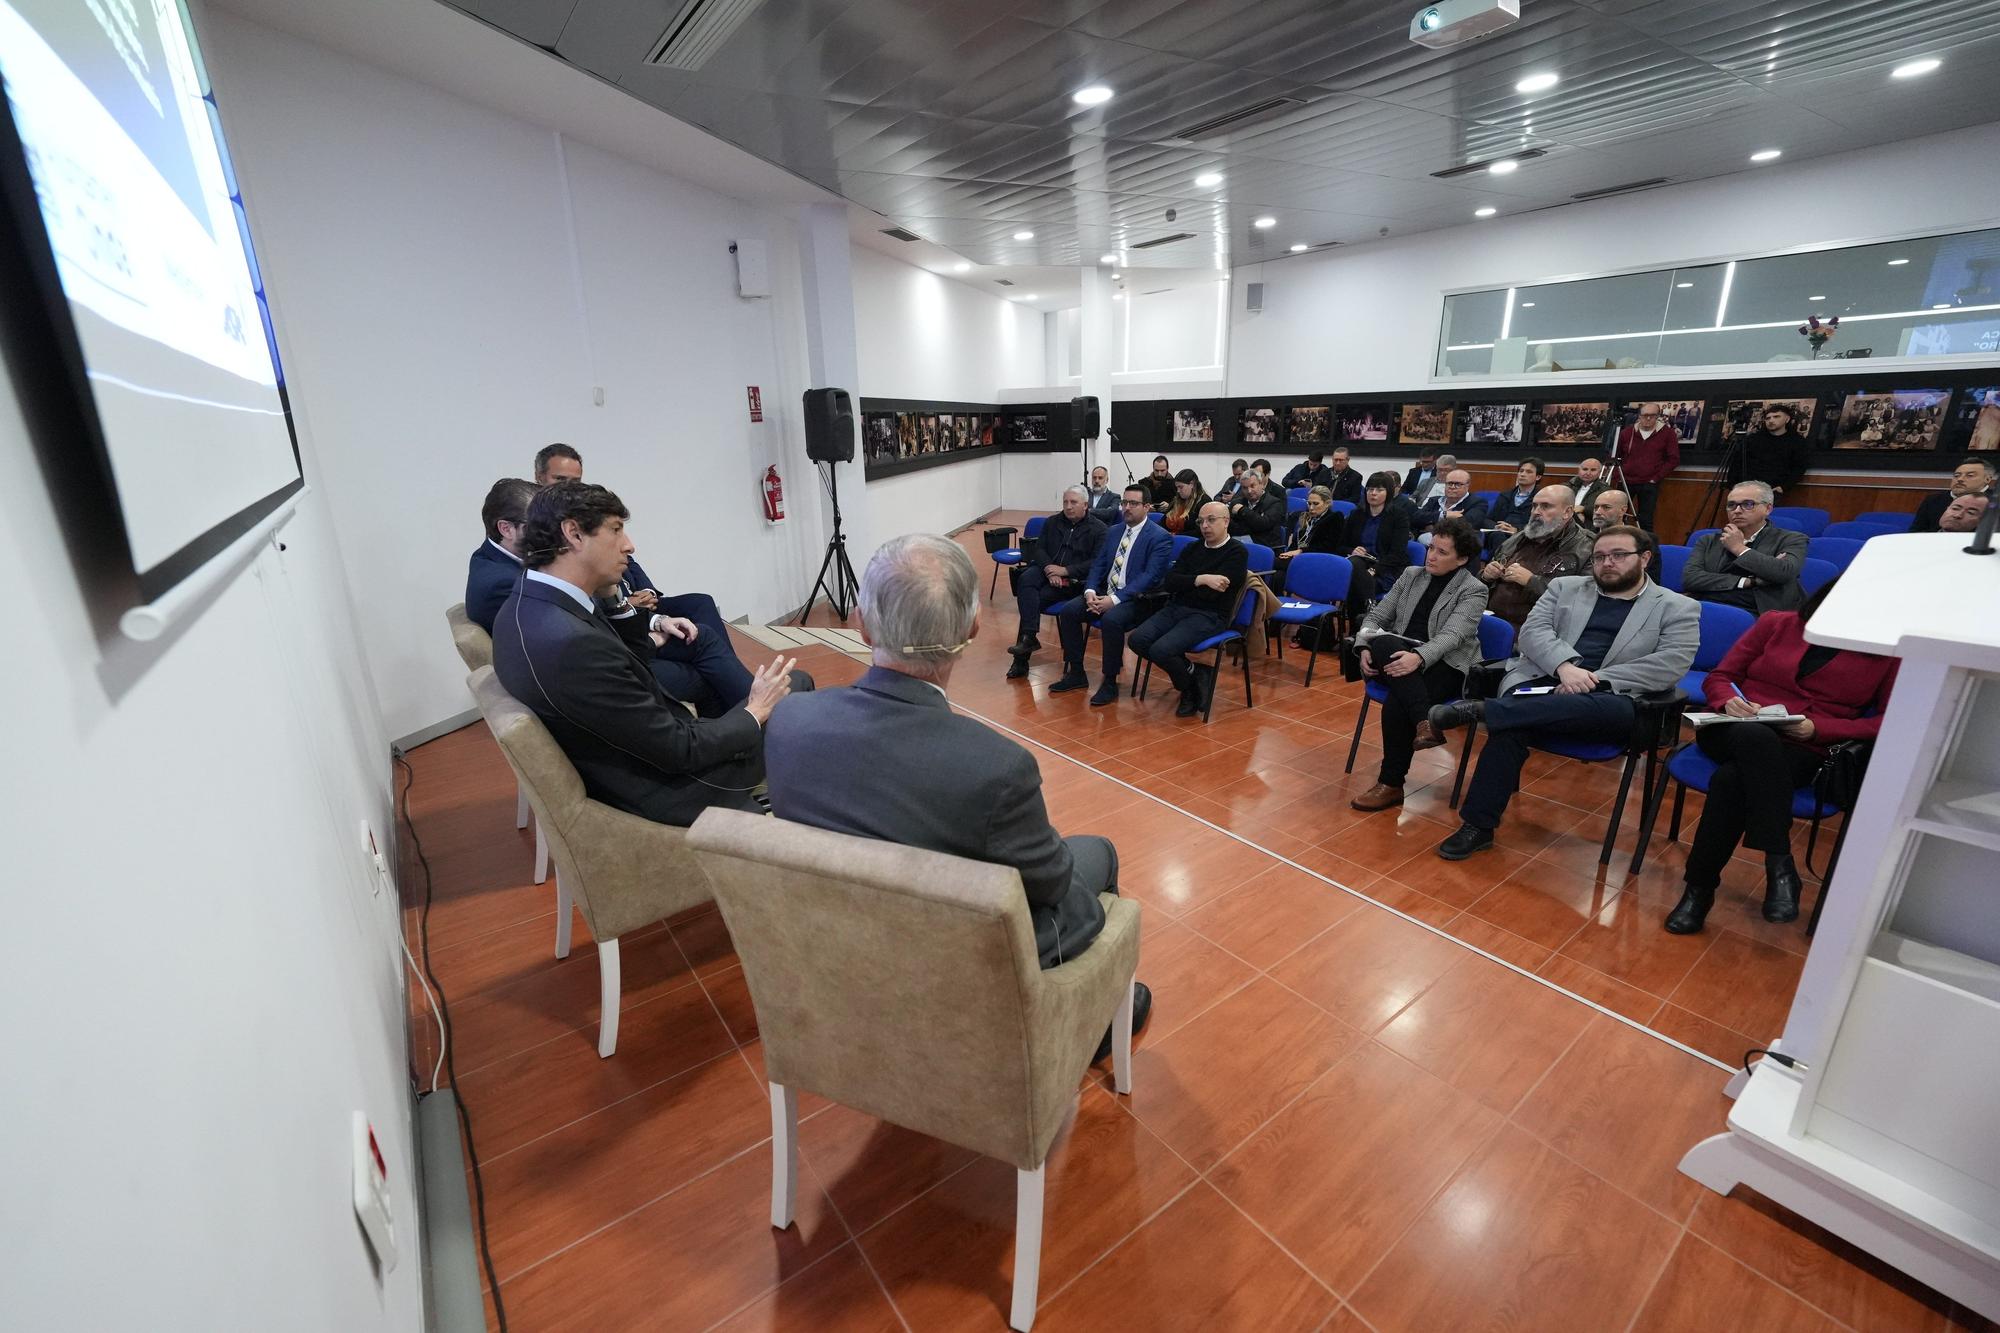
(774, 496)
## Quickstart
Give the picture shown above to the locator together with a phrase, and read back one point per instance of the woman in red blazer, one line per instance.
(1840, 694)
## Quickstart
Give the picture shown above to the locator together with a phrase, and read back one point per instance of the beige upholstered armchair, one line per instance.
(904, 983)
(619, 870)
(475, 645)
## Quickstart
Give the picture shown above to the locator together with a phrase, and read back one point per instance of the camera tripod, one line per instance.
(845, 589)
(1710, 512)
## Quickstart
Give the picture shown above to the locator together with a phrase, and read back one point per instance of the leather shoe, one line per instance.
(1019, 669)
(1427, 738)
(1378, 797)
(802, 682)
(1469, 839)
(1781, 887)
(1022, 647)
(1457, 713)
(1107, 693)
(1690, 911)
(1072, 679)
(1142, 1009)
(1190, 704)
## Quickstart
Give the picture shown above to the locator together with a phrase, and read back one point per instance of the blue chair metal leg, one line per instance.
(1618, 809)
(1649, 808)
(1464, 762)
(1359, 723)
(994, 582)
(1680, 801)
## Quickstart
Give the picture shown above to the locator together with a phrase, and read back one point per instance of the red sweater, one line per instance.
(1764, 664)
(1650, 460)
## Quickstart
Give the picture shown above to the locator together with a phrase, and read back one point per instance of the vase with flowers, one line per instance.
(1816, 332)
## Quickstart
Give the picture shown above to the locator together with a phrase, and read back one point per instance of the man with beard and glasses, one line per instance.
(1550, 545)
(1587, 648)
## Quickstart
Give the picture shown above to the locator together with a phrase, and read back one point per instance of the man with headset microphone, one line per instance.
(582, 667)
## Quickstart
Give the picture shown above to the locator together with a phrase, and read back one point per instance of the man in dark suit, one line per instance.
(1261, 514)
(1130, 563)
(1511, 512)
(889, 759)
(1103, 500)
(695, 661)
(1422, 479)
(1312, 472)
(1064, 553)
(1751, 562)
(1456, 500)
(495, 566)
(1975, 476)
(1343, 481)
(583, 669)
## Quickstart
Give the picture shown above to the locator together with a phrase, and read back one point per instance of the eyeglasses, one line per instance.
(1742, 504)
(1610, 557)
(1133, 504)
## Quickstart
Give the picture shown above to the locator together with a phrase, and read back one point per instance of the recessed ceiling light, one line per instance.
(1503, 166)
(1095, 95)
(1107, 259)
(1767, 155)
(1895, 263)
(1942, 305)
(1527, 305)
(961, 267)
(1683, 284)
(1484, 211)
(1208, 179)
(1815, 298)
(1265, 224)
(1117, 296)
(1914, 68)
(1300, 248)
(1536, 83)
(1028, 296)
(1024, 236)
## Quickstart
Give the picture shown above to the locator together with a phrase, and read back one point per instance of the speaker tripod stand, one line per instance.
(845, 590)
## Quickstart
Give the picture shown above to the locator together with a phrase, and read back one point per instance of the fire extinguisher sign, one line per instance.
(756, 405)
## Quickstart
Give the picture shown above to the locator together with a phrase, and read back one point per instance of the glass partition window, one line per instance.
(1934, 296)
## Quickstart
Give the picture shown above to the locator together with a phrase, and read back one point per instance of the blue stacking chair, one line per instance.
(1721, 627)
(1012, 555)
(1181, 542)
(1245, 609)
(1490, 497)
(1496, 644)
(1799, 518)
(1262, 558)
(1320, 581)
(1698, 534)
(1895, 522)
(1816, 574)
(1342, 507)
(1416, 551)
(1673, 562)
(1858, 531)
(1156, 517)
(1836, 551)
(1295, 499)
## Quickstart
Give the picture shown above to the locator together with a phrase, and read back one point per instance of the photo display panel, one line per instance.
(143, 217)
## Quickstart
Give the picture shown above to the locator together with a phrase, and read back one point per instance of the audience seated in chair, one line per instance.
(1589, 483)
(1203, 585)
(1840, 695)
(1963, 514)
(1103, 500)
(1977, 475)
(1610, 510)
(1376, 539)
(585, 671)
(1750, 562)
(1318, 529)
(1312, 472)
(1261, 514)
(1232, 490)
(1593, 642)
(1181, 511)
(1437, 605)
(495, 566)
(1159, 483)
(1550, 545)
(694, 658)
(889, 759)
(1342, 479)
(1062, 557)
(1131, 563)
(1512, 510)
(1453, 500)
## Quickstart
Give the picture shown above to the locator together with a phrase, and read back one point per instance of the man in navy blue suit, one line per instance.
(496, 566)
(1130, 563)
(695, 662)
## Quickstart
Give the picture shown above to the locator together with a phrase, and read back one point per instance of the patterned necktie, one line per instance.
(1118, 561)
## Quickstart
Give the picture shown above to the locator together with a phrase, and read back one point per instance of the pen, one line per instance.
(1739, 694)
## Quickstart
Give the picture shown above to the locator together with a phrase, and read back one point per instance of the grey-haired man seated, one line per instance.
(889, 759)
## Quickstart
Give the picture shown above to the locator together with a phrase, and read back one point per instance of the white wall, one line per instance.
(204, 983)
(454, 285)
(1366, 320)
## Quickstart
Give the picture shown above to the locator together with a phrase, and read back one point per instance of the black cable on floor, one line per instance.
(444, 1021)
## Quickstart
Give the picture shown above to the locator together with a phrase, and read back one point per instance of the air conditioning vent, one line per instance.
(1627, 187)
(1264, 110)
(1162, 240)
(1525, 155)
(1004, 282)
(697, 31)
(900, 234)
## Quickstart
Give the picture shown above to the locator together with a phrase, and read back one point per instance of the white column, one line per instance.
(1094, 332)
(827, 280)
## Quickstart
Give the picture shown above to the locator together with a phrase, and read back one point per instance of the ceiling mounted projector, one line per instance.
(1456, 22)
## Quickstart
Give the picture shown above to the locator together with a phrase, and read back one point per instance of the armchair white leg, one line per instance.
(1027, 1246)
(784, 1153)
(520, 806)
(1121, 1040)
(563, 912)
(541, 855)
(609, 987)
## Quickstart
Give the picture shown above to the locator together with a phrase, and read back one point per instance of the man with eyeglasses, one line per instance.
(1587, 648)
(1648, 450)
(1751, 562)
(1550, 545)
(1129, 566)
(1456, 500)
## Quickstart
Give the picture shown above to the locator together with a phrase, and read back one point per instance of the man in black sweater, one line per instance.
(1203, 585)
(1063, 556)
(1775, 453)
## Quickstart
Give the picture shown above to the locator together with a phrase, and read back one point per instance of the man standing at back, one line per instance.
(889, 759)
(1648, 450)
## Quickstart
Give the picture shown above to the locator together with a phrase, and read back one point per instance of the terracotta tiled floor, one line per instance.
(1340, 1119)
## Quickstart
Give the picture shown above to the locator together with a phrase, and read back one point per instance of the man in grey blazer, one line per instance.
(1588, 646)
(889, 759)
(1751, 563)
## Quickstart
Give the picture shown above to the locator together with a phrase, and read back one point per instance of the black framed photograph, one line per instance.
(1683, 414)
(1194, 425)
(1747, 414)
(906, 435)
(1257, 425)
(1974, 424)
(1425, 423)
(1031, 429)
(927, 433)
(1309, 425)
(947, 433)
(1903, 419)
(1495, 423)
(1365, 422)
(879, 431)
(1581, 424)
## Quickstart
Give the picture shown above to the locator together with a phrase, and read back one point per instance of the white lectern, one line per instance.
(1887, 1132)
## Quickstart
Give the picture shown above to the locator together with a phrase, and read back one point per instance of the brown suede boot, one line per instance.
(1427, 737)
(1378, 797)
